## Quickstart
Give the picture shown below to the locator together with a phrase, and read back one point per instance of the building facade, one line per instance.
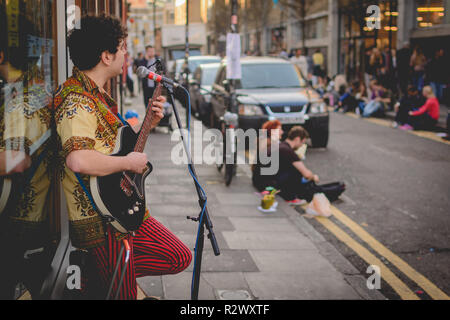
(343, 30)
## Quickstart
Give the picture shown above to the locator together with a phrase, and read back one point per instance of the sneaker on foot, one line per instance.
(296, 202)
(406, 127)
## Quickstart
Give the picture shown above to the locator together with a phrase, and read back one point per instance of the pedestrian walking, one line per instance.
(404, 68)
(130, 81)
(148, 85)
(318, 61)
(376, 62)
(301, 62)
(418, 62)
(437, 73)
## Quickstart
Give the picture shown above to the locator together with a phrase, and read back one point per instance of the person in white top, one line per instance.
(301, 61)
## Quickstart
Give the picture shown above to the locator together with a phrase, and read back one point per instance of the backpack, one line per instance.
(331, 190)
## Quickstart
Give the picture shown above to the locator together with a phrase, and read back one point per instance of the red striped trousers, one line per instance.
(155, 251)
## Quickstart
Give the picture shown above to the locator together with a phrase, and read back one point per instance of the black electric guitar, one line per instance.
(121, 196)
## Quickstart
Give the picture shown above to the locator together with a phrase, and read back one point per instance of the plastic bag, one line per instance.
(319, 206)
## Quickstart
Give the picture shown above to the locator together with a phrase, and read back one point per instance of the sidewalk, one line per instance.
(263, 256)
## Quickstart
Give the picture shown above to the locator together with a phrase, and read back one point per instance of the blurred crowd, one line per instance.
(404, 81)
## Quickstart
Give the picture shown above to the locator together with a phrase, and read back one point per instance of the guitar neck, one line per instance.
(146, 125)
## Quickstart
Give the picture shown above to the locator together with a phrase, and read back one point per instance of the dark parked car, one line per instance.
(200, 90)
(272, 88)
(193, 62)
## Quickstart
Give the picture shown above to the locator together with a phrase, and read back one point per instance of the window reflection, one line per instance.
(26, 148)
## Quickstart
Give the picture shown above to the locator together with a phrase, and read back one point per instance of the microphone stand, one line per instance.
(203, 219)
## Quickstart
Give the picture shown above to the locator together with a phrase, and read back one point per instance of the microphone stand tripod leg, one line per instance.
(203, 218)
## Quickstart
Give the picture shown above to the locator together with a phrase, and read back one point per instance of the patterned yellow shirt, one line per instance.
(84, 122)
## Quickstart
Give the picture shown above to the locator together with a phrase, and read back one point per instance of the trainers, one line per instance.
(296, 202)
(406, 127)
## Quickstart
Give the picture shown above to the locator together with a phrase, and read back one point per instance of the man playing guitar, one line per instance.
(88, 130)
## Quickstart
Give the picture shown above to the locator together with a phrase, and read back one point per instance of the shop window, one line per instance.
(430, 13)
(29, 225)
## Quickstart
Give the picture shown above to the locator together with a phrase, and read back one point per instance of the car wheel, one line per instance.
(319, 139)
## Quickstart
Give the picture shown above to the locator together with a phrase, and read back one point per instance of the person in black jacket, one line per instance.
(412, 101)
(149, 61)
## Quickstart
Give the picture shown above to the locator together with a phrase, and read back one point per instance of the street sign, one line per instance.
(234, 56)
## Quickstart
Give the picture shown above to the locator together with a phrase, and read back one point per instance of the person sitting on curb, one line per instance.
(412, 101)
(293, 175)
(378, 100)
(427, 116)
(274, 133)
(347, 101)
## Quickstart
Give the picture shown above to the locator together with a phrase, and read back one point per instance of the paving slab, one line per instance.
(301, 262)
(152, 286)
(227, 261)
(263, 224)
(245, 211)
(178, 287)
(267, 240)
(295, 286)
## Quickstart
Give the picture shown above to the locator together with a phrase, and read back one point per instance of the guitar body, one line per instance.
(121, 195)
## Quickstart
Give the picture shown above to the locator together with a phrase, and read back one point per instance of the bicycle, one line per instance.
(227, 125)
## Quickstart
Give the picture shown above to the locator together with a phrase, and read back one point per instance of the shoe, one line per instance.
(394, 124)
(296, 202)
(406, 127)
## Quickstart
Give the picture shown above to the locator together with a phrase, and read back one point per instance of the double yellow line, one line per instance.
(398, 285)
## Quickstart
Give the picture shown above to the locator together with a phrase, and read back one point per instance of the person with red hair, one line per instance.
(291, 175)
(274, 133)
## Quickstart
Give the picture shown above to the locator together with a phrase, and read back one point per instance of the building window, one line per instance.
(430, 13)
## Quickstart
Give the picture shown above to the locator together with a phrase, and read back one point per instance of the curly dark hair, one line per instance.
(96, 35)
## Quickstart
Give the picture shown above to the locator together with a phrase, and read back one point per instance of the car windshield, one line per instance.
(195, 63)
(208, 76)
(276, 75)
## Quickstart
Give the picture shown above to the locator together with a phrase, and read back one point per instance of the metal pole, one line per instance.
(186, 57)
(390, 37)
(154, 23)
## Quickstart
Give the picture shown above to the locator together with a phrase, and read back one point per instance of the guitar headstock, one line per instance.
(160, 69)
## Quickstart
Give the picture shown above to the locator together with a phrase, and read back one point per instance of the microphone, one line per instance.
(142, 72)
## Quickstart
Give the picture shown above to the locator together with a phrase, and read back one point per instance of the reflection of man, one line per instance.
(25, 152)
(88, 132)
